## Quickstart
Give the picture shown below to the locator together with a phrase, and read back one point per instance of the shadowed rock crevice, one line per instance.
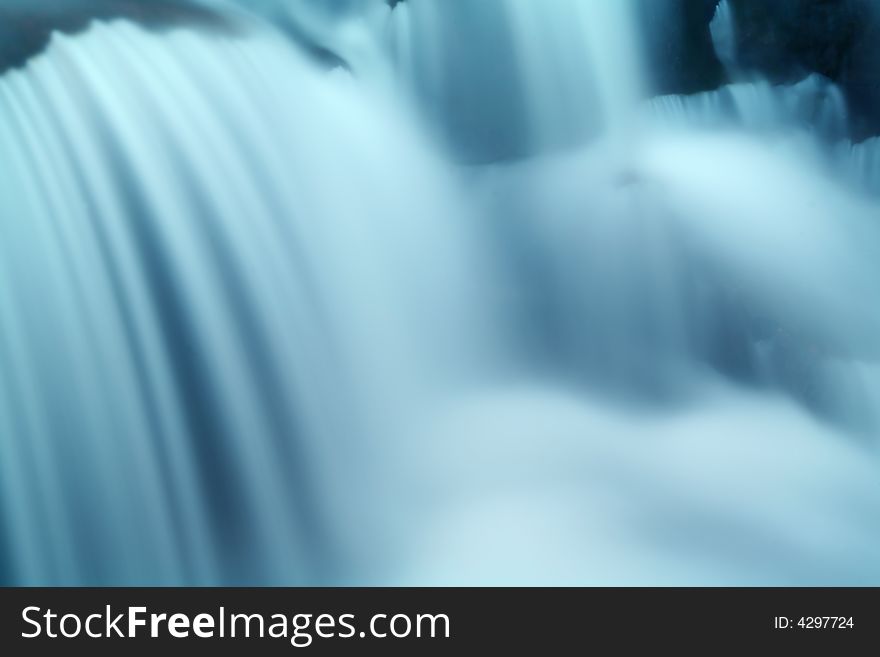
(678, 46)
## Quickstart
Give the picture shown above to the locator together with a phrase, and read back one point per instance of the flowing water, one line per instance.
(456, 304)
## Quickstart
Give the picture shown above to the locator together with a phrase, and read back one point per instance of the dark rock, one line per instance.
(782, 40)
(785, 40)
(678, 45)
(860, 77)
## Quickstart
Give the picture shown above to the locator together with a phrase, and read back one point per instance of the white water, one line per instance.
(724, 33)
(184, 348)
(487, 69)
(255, 328)
(861, 163)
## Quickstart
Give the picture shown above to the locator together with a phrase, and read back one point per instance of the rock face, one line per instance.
(839, 39)
(27, 25)
(782, 40)
(860, 74)
(788, 38)
(678, 46)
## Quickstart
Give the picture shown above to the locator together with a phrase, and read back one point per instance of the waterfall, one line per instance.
(181, 345)
(575, 70)
(430, 293)
(861, 163)
(723, 30)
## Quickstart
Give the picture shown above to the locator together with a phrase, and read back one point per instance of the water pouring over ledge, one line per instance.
(258, 326)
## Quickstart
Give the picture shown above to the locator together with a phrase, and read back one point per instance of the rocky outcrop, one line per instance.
(785, 40)
(781, 40)
(679, 49)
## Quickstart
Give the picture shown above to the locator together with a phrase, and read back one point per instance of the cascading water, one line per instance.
(257, 327)
(181, 344)
(553, 75)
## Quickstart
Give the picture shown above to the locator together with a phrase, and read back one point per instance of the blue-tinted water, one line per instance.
(458, 304)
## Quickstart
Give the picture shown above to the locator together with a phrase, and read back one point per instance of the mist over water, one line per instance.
(431, 294)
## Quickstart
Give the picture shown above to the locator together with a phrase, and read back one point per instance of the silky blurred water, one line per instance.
(434, 294)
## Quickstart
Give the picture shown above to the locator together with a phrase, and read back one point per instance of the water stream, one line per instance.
(459, 303)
